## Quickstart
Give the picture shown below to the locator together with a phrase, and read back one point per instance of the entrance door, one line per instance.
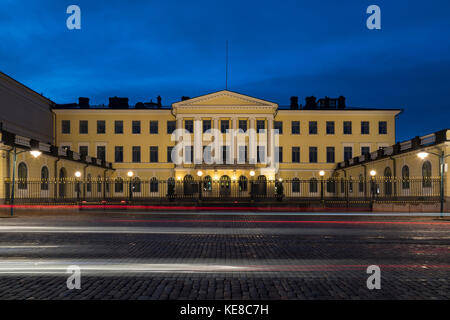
(225, 185)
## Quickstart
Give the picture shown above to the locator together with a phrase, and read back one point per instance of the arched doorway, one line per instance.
(387, 181)
(62, 182)
(261, 186)
(225, 185)
(188, 185)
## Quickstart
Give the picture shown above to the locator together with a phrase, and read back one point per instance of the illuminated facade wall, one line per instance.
(237, 110)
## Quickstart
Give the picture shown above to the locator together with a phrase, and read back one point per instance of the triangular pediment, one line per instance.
(224, 98)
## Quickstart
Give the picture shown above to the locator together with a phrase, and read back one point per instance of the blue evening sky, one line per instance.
(142, 49)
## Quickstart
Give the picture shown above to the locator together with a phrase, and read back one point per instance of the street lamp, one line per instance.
(422, 155)
(321, 174)
(78, 175)
(199, 174)
(252, 173)
(130, 187)
(35, 153)
(372, 173)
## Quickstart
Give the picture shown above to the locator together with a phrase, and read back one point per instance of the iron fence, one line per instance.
(74, 191)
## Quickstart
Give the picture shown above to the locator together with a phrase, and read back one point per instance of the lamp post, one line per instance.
(321, 174)
(200, 174)
(78, 175)
(130, 187)
(373, 173)
(441, 156)
(35, 153)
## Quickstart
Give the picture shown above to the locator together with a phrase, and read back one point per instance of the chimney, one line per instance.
(116, 102)
(294, 102)
(83, 102)
(159, 102)
(183, 98)
(310, 103)
(341, 102)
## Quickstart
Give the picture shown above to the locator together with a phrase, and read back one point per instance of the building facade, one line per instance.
(273, 142)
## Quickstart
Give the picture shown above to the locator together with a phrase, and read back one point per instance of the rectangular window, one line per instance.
(84, 150)
(154, 127)
(330, 154)
(278, 125)
(65, 126)
(118, 154)
(295, 127)
(136, 154)
(136, 127)
(365, 150)
(348, 153)
(118, 127)
(242, 158)
(101, 153)
(169, 154)
(313, 154)
(206, 125)
(330, 127)
(347, 127)
(260, 126)
(171, 126)
(83, 127)
(296, 154)
(260, 154)
(278, 154)
(188, 154)
(382, 127)
(154, 154)
(313, 127)
(224, 126)
(365, 127)
(101, 127)
(243, 125)
(207, 154)
(189, 125)
(225, 154)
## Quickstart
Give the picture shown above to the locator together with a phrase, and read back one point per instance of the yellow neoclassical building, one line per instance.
(274, 142)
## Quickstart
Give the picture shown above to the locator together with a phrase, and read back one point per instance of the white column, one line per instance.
(198, 150)
(217, 136)
(270, 152)
(252, 141)
(178, 135)
(233, 140)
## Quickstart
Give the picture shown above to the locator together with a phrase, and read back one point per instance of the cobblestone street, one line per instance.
(141, 256)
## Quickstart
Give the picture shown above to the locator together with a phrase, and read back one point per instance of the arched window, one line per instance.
(331, 186)
(387, 181)
(243, 183)
(426, 174)
(22, 175)
(44, 178)
(118, 185)
(170, 186)
(295, 185)
(207, 183)
(313, 188)
(62, 182)
(99, 184)
(361, 183)
(154, 185)
(89, 183)
(405, 177)
(136, 184)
